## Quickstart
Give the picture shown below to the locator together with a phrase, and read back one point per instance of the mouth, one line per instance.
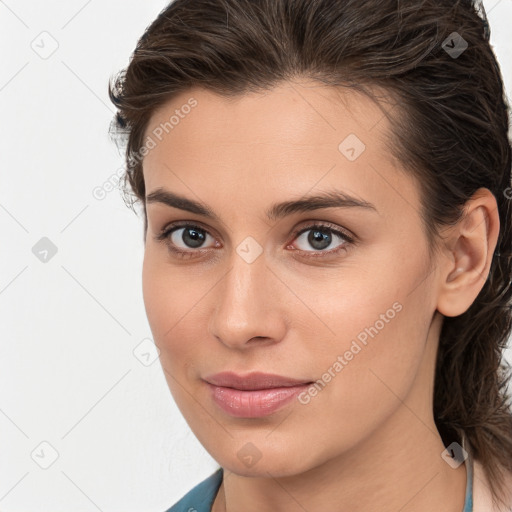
(253, 395)
(253, 381)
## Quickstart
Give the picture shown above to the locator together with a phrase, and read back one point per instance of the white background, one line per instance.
(68, 373)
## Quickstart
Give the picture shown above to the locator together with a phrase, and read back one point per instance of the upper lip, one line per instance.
(252, 381)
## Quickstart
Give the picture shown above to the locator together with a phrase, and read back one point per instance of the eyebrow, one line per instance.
(331, 199)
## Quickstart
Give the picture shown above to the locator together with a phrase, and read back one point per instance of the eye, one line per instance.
(319, 237)
(185, 239)
(188, 240)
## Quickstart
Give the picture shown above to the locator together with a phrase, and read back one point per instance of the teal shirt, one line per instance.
(202, 496)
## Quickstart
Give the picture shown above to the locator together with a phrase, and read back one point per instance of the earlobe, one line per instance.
(470, 246)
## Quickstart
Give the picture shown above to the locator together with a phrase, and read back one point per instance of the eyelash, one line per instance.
(165, 234)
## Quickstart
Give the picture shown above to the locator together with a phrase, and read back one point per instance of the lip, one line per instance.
(253, 381)
(255, 394)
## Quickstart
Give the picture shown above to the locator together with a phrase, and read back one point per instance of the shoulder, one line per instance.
(482, 498)
(201, 497)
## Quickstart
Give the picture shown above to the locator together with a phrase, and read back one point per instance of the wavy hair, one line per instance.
(449, 130)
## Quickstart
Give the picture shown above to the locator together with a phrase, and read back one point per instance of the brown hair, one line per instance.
(449, 130)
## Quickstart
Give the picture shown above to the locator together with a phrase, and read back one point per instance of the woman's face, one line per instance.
(348, 304)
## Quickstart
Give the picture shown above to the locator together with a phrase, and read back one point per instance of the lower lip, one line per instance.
(256, 403)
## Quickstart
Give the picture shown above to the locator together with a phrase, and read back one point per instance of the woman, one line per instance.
(326, 195)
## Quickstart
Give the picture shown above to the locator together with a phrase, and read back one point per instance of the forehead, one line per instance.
(299, 113)
(295, 138)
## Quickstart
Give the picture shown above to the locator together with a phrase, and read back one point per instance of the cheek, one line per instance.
(165, 298)
(158, 298)
(382, 373)
(165, 293)
(380, 325)
(173, 301)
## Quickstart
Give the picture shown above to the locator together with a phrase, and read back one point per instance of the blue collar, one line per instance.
(468, 502)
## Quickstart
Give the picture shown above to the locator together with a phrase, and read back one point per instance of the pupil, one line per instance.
(318, 240)
(193, 237)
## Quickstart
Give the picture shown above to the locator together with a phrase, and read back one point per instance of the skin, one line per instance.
(369, 436)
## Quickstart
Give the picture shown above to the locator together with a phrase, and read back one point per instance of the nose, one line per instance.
(248, 306)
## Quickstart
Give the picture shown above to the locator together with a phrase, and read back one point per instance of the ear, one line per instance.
(468, 251)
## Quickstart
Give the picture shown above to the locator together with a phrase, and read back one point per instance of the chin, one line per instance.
(266, 463)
